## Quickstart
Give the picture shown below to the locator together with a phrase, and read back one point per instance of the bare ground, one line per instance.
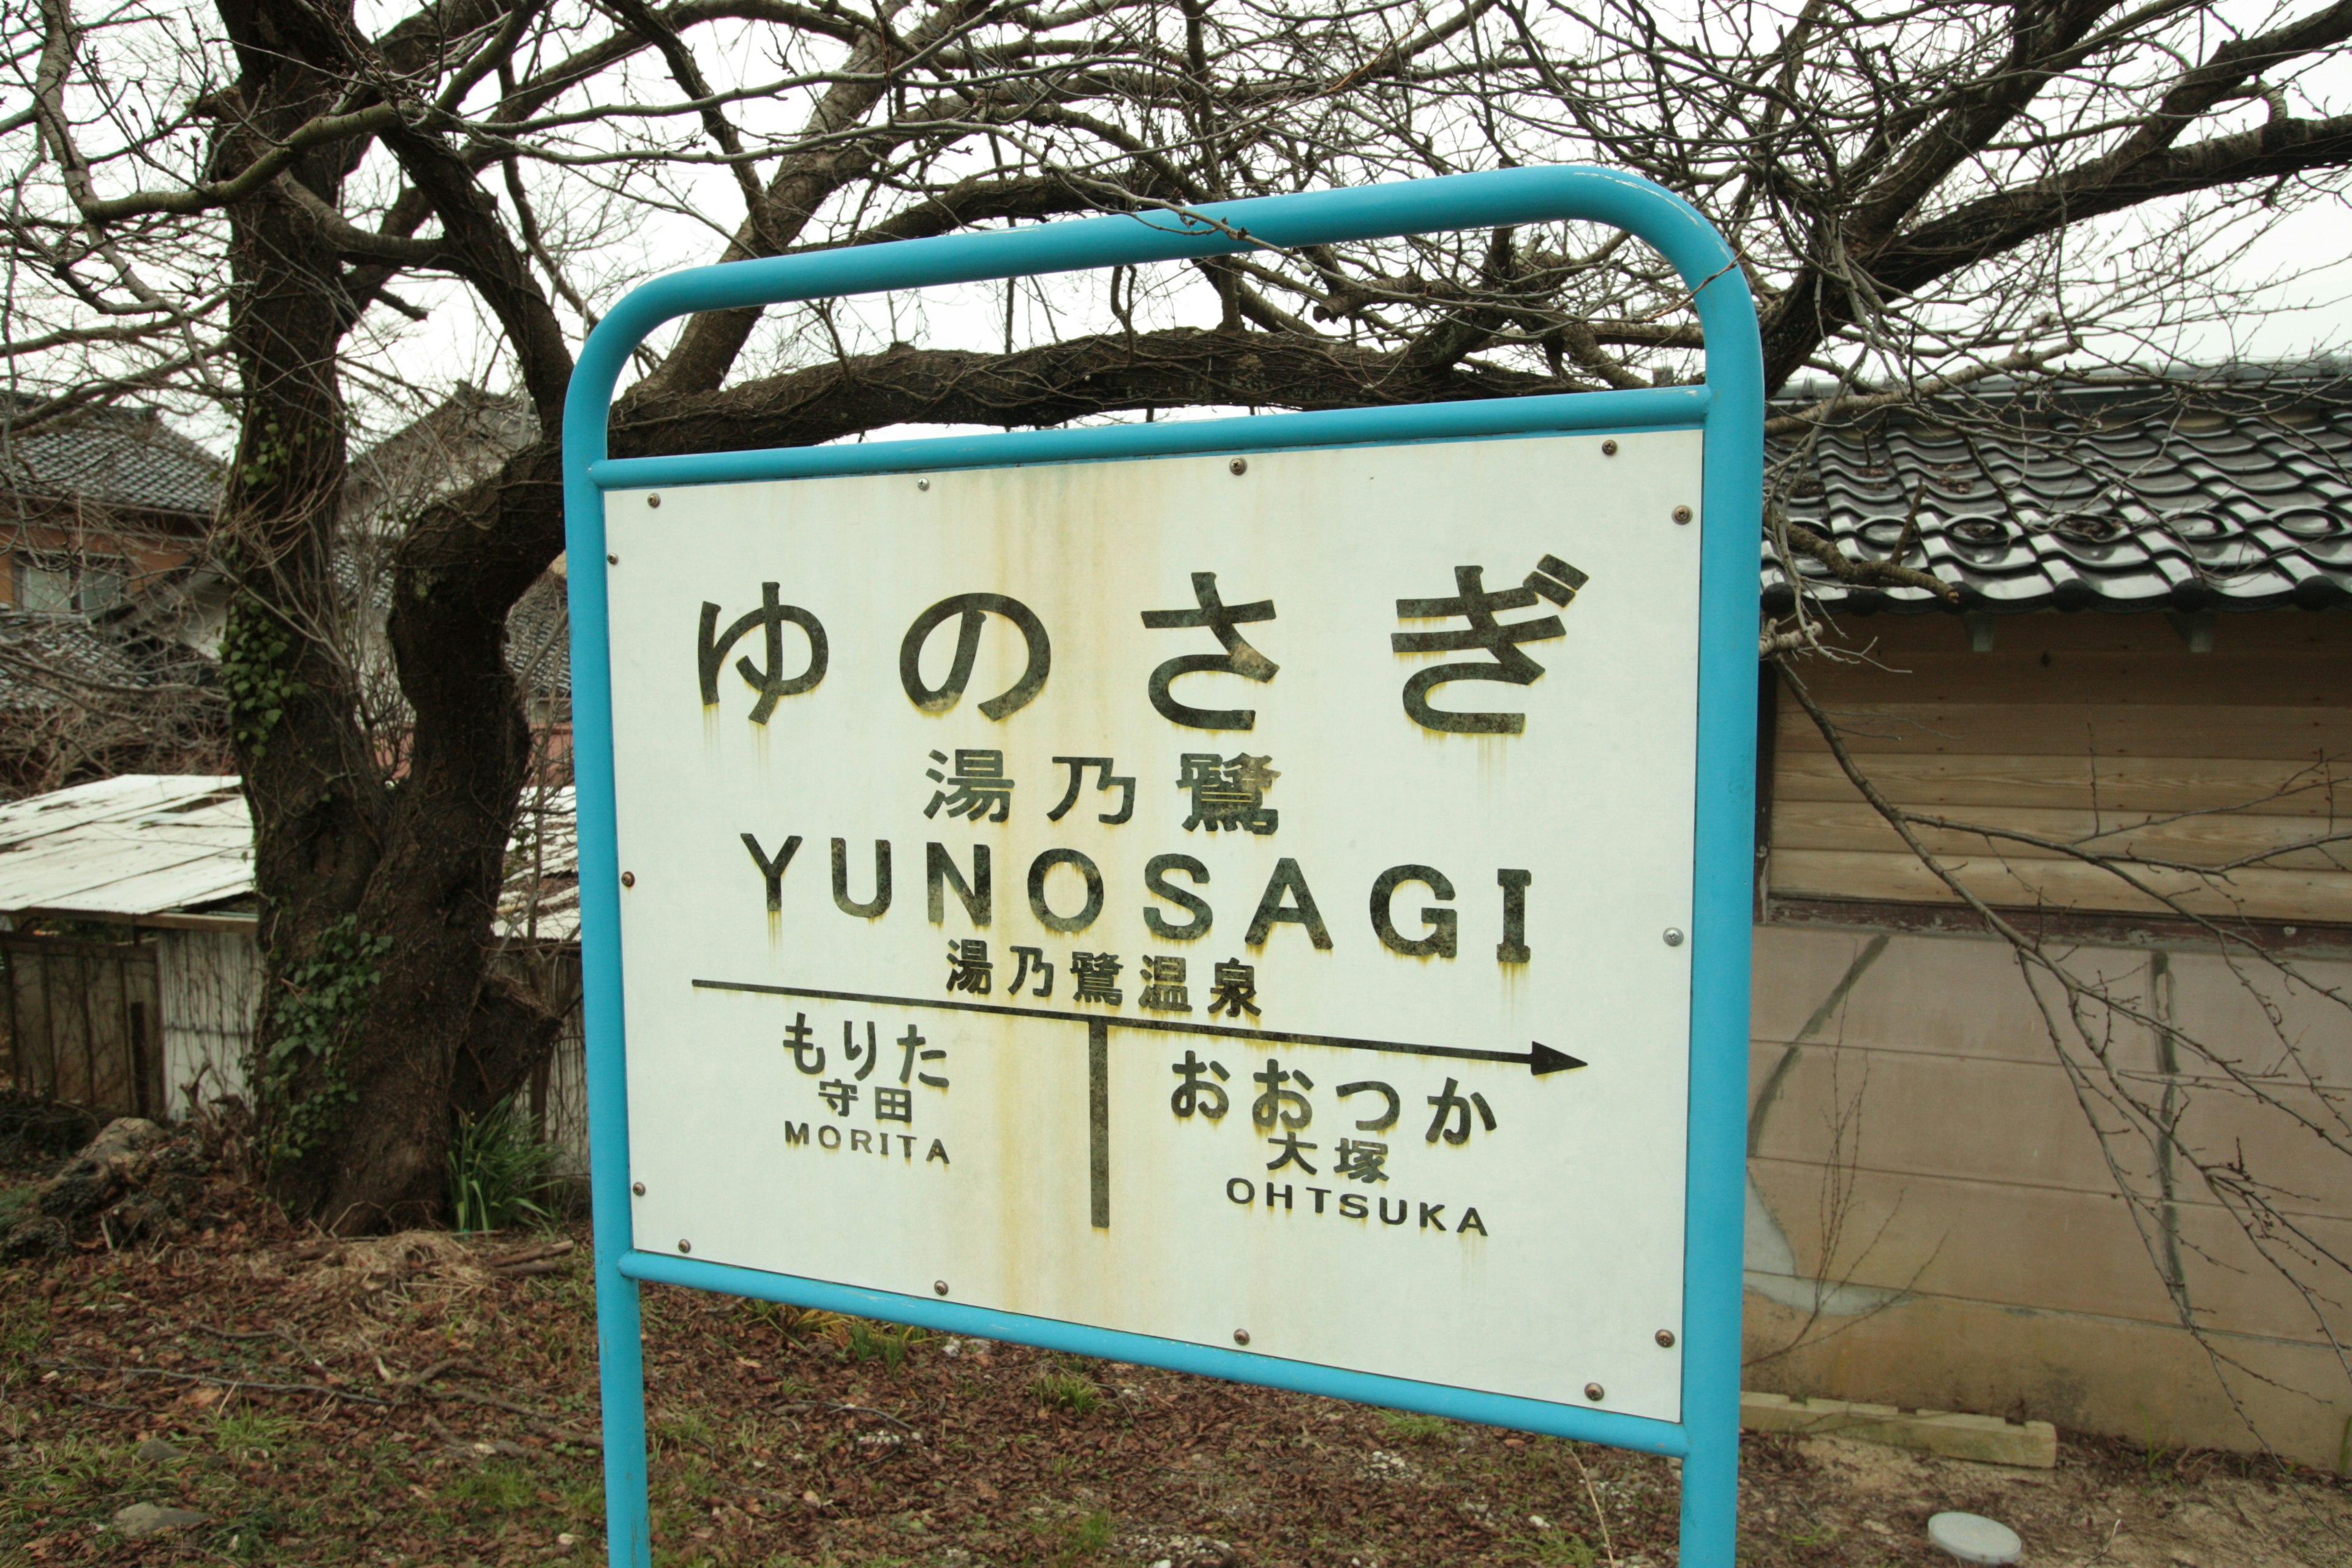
(426, 1400)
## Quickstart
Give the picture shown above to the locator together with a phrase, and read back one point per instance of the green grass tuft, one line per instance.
(1069, 1392)
(500, 1484)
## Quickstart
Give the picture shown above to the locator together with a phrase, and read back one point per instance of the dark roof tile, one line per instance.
(47, 661)
(2231, 496)
(115, 457)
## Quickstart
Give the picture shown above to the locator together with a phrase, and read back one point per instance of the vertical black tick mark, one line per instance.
(1098, 1117)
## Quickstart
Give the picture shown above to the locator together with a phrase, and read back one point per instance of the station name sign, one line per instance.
(1231, 900)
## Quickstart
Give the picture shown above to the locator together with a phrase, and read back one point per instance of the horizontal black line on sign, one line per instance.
(1538, 1058)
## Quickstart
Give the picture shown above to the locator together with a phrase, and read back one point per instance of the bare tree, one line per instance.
(255, 205)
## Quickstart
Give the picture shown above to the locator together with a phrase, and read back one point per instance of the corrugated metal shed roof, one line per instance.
(148, 847)
(2235, 495)
(144, 844)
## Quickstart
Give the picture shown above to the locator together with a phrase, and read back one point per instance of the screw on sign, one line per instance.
(1402, 881)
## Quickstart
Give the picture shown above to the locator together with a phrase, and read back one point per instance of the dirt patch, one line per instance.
(427, 1399)
(2103, 1504)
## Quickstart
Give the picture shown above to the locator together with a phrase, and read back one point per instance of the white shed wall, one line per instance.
(210, 985)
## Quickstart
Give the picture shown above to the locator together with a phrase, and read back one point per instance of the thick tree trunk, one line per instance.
(380, 1011)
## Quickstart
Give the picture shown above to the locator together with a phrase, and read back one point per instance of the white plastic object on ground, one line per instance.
(1972, 1538)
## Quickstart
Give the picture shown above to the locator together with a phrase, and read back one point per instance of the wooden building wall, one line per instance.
(1933, 1221)
(1933, 1218)
(2072, 726)
(81, 1018)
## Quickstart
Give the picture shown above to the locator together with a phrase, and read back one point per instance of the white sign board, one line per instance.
(1229, 906)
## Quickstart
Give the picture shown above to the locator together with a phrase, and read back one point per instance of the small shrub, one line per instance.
(498, 1170)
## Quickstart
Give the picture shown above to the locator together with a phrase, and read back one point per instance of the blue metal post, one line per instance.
(1729, 409)
(620, 1335)
(1721, 921)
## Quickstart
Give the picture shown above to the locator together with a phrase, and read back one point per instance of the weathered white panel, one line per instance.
(209, 984)
(1045, 1176)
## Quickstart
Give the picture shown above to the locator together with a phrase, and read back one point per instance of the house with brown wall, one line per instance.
(2113, 1189)
(97, 506)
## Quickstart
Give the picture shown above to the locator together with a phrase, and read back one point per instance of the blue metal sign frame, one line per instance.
(1729, 408)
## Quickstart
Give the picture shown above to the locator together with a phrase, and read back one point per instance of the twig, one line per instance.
(232, 1383)
(845, 1409)
(299, 1348)
(469, 1395)
(1592, 1495)
(1866, 573)
(551, 1425)
(520, 1261)
(429, 1373)
(2113, 1530)
(547, 1424)
(2020, 362)
(100, 1403)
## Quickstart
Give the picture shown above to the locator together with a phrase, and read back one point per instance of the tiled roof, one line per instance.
(461, 441)
(47, 661)
(538, 637)
(115, 457)
(2231, 495)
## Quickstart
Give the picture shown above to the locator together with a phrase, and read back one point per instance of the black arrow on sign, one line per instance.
(1538, 1057)
(1542, 1058)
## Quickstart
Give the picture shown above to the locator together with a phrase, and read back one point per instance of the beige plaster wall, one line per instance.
(1933, 1220)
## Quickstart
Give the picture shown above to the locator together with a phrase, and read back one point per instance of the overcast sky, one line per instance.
(2300, 274)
